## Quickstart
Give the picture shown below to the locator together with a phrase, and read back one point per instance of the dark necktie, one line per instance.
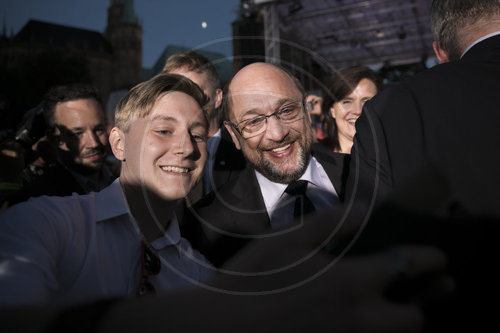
(303, 205)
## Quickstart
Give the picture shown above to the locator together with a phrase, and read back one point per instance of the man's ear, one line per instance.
(441, 54)
(117, 143)
(230, 129)
(218, 98)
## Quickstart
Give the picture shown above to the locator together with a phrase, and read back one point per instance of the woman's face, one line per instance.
(347, 111)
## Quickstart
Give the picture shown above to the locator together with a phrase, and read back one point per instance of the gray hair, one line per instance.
(448, 17)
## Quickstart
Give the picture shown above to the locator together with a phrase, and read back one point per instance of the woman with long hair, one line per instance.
(348, 90)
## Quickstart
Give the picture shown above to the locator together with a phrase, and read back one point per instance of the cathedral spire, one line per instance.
(124, 33)
(129, 15)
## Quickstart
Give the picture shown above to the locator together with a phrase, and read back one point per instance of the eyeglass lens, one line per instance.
(286, 114)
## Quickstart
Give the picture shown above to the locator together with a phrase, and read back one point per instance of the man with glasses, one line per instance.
(264, 108)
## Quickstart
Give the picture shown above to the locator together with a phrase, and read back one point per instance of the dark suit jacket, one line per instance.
(427, 154)
(221, 223)
(447, 117)
(229, 161)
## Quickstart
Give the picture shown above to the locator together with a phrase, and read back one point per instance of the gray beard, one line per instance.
(276, 175)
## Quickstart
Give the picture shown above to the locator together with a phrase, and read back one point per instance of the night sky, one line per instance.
(190, 23)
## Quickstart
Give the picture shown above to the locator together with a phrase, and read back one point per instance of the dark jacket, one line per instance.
(223, 222)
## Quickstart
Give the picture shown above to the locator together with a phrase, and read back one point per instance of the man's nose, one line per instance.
(275, 129)
(91, 139)
(185, 145)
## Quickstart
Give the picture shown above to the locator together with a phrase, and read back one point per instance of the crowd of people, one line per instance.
(258, 206)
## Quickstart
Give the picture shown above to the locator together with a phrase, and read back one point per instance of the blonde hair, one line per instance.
(139, 101)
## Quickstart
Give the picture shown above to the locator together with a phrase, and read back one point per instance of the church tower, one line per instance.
(124, 32)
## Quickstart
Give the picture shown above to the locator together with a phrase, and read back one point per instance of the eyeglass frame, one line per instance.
(145, 286)
(266, 117)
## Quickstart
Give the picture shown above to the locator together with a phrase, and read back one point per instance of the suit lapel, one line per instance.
(229, 161)
(333, 163)
(251, 213)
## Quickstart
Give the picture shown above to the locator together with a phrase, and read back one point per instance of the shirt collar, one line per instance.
(480, 40)
(111, 203)
(172, 235)
(272, 192)
(217, 134)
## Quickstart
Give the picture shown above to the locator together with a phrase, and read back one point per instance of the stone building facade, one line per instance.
(42, 54)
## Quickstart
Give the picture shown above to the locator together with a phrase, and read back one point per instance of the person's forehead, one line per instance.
(177, 106)
(262, 89)
(365, 86)
(83, 110)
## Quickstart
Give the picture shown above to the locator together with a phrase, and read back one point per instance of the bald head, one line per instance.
(259, 80)
(280, 148)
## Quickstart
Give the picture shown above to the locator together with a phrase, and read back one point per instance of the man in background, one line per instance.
(224, 161)
(426, 150)
(77, 129)
(445, 116)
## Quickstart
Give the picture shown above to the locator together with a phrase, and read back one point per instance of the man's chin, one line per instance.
(169, 195)
(277, 175)
(282, 174)
(95, 167)
(89, 168)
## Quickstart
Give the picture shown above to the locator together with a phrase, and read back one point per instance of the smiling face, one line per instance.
(81, 129)
(281, 153)
(347, 111)
(166, 150)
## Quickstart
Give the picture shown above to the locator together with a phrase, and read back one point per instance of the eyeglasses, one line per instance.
(287, 113)
(150, 265)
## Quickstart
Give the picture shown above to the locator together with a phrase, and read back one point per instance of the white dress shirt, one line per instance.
(67, 250)
(280, 205)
